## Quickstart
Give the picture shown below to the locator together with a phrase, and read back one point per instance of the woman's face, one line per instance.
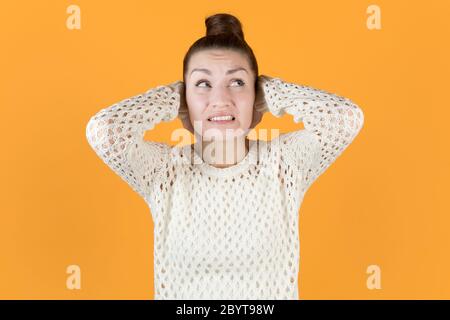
(220, 82)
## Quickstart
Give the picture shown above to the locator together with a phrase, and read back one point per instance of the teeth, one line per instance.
(221, 118)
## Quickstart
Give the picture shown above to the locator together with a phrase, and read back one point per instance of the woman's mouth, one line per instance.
(222, 119)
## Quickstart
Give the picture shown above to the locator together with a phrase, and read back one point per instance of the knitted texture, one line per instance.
(226, 233)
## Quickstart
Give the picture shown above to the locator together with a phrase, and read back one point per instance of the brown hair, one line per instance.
(223, 31)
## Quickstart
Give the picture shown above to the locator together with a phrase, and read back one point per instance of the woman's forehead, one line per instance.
(218, 61)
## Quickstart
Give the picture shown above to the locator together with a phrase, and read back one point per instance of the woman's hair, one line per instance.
(223, 31)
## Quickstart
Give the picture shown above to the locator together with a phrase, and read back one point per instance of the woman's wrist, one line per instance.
(171, 105)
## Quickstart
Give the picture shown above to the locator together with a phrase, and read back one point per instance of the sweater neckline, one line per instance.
(249, 159)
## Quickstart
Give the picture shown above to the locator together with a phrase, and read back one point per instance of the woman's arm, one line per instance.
(331, 123)
(116, 134)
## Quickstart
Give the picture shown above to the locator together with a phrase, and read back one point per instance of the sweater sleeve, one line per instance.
(116, 134)
(331, 123)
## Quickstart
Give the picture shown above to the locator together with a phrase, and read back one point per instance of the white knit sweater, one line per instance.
(226, 233)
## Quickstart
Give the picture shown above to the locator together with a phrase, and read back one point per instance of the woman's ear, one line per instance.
(183, 110)
(257, 117)
(260, 102)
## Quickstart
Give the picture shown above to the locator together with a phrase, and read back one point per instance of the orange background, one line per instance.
(383, 202)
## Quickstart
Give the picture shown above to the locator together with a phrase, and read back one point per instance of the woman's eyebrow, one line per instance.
(228, 72)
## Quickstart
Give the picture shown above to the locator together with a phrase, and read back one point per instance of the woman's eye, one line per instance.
(234, 80)
(199, 82)
(240, 81)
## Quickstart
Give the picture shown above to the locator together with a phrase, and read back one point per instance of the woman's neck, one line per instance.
(225, 153)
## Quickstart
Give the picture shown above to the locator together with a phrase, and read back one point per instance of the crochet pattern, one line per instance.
(226, 233)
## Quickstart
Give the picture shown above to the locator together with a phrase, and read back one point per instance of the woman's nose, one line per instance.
(220, 97)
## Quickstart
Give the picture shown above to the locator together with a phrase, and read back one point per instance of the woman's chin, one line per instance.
(219, 134)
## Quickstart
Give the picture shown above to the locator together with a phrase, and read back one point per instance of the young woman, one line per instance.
(225, 229)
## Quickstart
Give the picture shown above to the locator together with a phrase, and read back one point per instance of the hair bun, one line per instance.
(223, 23)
